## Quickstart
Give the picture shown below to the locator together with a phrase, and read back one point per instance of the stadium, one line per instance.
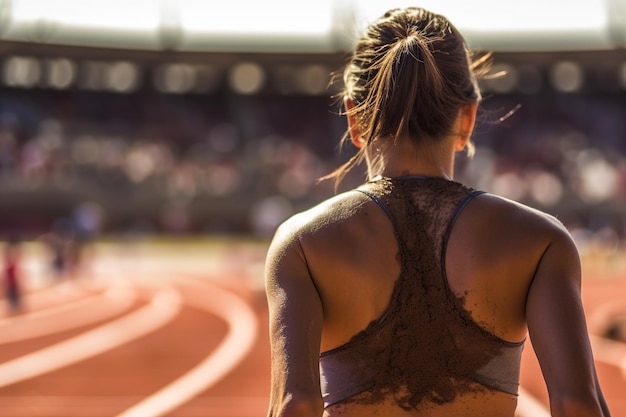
(185, 132)
(197, 141)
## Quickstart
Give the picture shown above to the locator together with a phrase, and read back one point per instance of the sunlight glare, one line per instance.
(270, 17)
(506, 16)
(112, 14)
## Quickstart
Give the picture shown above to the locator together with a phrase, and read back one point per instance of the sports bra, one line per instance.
(425, 346)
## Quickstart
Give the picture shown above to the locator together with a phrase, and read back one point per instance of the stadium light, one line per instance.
(513, 25)
(246, 78)
(298, 26)
(60, 73)
(567, 77)
(112, 14)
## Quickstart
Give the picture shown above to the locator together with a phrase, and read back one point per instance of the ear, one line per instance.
(465, 125)
(353, 124)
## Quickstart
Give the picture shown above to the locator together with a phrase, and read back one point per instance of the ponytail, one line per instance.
(408, 77)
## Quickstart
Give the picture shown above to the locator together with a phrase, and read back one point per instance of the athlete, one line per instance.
(413, 295)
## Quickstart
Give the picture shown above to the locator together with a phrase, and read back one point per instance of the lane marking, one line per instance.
(605, 350)
(48, 311)
(93, 405)
(601, 315)
(47, 299)
(164, 306)
(529, 406)
(609, 352)
(239, 341)
(68, 316)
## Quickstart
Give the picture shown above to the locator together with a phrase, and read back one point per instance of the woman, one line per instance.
(413, 294)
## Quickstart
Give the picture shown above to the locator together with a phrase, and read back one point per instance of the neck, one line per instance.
(405, 157)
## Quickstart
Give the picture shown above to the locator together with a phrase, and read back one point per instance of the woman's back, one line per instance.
(420, 339)
(412, 296)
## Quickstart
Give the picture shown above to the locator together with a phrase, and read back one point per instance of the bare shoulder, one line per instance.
(305, 246)
(334, 239)
(506, 236)
(500, 211)
(322, 218)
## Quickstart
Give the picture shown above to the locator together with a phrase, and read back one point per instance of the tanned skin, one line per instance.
(331, 270)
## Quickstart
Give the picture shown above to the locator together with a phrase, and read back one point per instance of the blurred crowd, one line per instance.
(562, 153)
(164, 164)
(156, 163)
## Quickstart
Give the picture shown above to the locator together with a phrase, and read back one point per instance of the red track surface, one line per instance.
(202, 309)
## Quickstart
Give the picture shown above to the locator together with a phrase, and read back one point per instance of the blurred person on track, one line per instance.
(413, 294)
(60, 243)
(12, 255)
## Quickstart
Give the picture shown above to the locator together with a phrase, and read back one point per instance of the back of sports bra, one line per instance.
(425, 347)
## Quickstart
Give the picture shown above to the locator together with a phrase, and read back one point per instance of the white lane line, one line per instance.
(49, 298)
(529, 406)
(606, 350)
(163, 307)
(601, 316)
(609, 352)
(49, 311)
(68, 316)
(242, 333)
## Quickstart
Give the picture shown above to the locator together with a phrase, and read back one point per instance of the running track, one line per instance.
(179, 329)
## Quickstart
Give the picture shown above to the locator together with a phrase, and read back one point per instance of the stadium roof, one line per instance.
(299, 26)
